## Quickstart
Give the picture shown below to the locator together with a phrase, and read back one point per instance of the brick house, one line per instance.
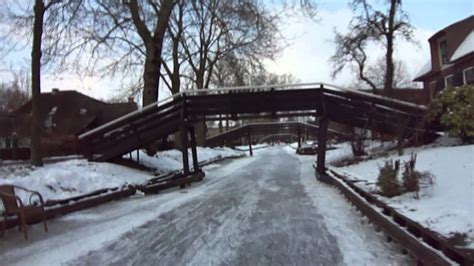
(452, 58)
(65, 115)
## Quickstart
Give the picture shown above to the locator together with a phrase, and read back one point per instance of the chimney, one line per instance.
(130, 99)
(55, 91)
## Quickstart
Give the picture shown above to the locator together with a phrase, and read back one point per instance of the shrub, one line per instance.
(454, 109)
(412, 179)
(458, 239)
(387, 180)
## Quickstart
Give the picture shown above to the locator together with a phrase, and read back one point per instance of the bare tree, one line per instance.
(39, 10)
(126, 37)
(51, 22)
(153, 43)
(350, 50)
(376, 73)
(15, 93)
(401, 77)
(217, 28)
(376, 26)
(173, 58)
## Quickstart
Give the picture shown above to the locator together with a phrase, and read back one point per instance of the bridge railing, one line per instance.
(328, 88)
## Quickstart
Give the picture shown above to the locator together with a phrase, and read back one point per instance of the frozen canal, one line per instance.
(265, 210)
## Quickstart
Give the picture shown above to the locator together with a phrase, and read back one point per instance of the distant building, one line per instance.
(452, 58)
(64, 115)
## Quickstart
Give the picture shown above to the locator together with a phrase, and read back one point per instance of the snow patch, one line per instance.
(466, 47)
(172, 160)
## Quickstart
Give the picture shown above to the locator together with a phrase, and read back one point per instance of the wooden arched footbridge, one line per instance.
(181, 111)
(297, 129)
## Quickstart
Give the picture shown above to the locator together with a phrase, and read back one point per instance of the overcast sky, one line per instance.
(311, 45)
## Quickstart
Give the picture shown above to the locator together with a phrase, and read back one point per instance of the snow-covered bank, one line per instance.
(76, 177)
(447, 207)
(70, 178)
(172, 160)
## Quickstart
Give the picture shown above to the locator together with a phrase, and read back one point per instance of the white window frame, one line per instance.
(442, 65)
(464, 80)
(446, 80)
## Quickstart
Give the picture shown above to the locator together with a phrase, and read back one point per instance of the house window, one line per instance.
(443, 52)
(448, 81)
(468, 75)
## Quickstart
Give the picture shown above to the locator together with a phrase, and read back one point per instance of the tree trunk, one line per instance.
(201, 127)
(154, 46)
(388, 83)
(389, 72)
(36, 155)
(151, 76)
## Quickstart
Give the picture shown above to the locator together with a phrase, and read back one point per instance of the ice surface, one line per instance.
(265, 209)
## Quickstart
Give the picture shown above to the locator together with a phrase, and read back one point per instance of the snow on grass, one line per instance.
(70, 178)
(172, 160)
(76, 177)
(448, 206)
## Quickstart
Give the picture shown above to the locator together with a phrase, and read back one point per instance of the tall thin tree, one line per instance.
(376, 26)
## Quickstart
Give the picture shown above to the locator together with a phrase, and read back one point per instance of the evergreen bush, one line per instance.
(454, 108)
(387, 180)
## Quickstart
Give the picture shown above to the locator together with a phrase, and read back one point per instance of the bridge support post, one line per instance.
(184, 149)
(299, 137)
(249, 136)
(192, 132)
(322, 137)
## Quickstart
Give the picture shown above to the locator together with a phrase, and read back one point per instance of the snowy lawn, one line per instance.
(172, 160)
(447, 207)
(70, 178)
(76, 177)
